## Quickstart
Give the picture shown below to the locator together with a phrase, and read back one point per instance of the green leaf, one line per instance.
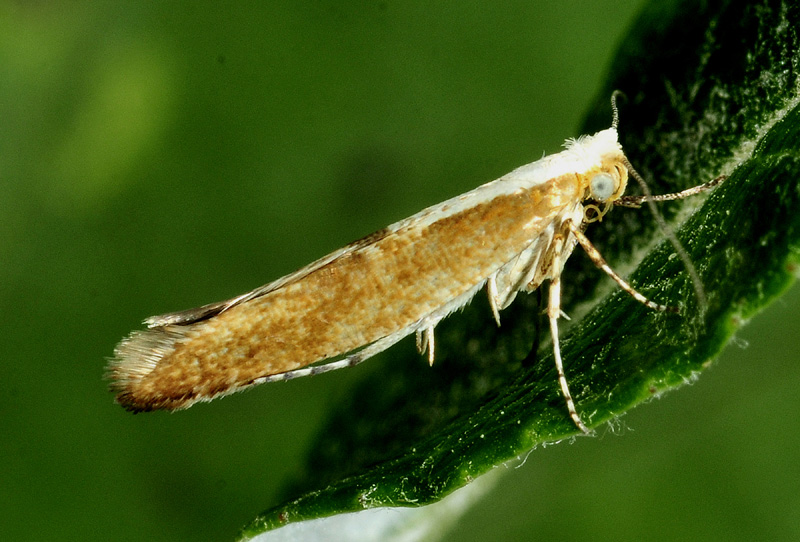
(712, 89)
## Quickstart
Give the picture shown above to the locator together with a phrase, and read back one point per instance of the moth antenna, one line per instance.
(614, 110)
(662, 224)
(670, 234)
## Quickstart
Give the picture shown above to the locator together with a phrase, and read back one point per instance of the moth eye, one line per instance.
(602, 186)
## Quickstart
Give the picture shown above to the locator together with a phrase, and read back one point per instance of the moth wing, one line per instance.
(190, 316)
(504, 184)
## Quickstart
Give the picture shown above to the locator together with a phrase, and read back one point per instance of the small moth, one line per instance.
(508, 235)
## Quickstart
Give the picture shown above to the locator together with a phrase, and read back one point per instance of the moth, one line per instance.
(507, 236)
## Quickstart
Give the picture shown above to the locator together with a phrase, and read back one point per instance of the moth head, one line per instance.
(606, 185)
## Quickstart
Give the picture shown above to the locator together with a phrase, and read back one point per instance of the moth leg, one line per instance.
(636, 201)
(349, 361)
(553, 313)
(600, 262)
(425, 342)
(494, 298)
(429, 335)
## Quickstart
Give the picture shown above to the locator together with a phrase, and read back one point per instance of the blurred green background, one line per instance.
(158, 156)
